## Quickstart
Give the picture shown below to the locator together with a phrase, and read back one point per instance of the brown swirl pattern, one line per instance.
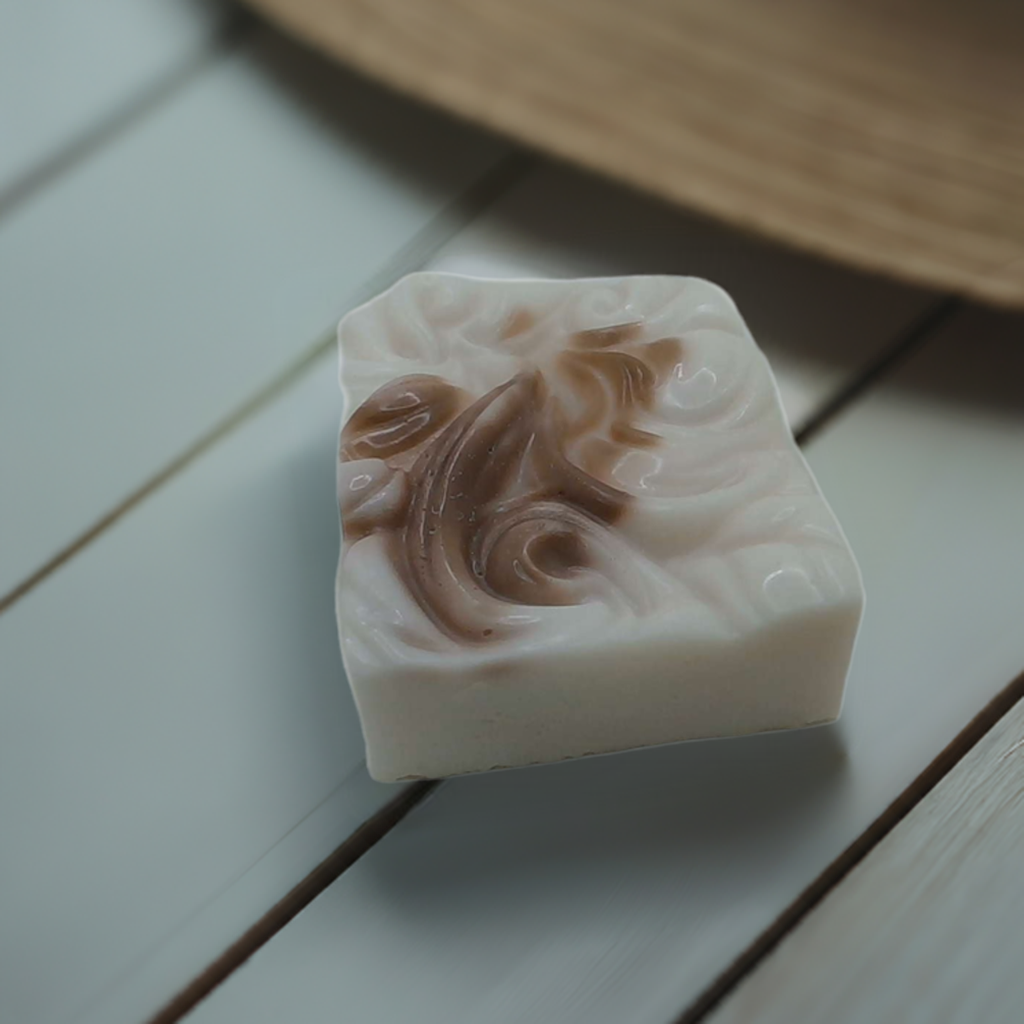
(505, 500)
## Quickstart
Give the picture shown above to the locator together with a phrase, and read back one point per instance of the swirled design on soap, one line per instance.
(642, 471)
(503, 501)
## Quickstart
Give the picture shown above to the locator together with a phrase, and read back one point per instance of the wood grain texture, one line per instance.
(927, 930)
(890, 135)
(770, 939)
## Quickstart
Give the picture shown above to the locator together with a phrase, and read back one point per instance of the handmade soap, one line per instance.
(575, 521)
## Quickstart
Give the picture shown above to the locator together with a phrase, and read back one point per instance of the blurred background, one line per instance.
(191, 195)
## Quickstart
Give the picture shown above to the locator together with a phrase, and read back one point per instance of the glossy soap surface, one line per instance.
(574, 522)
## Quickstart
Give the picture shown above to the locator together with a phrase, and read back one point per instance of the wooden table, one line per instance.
(187, 205)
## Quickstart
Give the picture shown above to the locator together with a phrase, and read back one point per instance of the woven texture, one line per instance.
(885, 133)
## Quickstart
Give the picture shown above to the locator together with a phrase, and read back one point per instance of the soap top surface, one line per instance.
(529, 465)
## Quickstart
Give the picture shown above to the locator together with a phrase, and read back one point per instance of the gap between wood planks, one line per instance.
(225, 39)
(363, 839)
(833, 875)
(392, 814)
(449, 221)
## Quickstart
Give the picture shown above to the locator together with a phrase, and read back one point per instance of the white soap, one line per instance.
(575, 522)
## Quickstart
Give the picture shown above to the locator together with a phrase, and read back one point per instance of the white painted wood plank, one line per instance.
(818, 322)
(241, 744)
(184, 265)
(177, 743)
(66, 65)
(927, 929)
(618, 888)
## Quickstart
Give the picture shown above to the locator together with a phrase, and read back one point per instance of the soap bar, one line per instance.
(574, 521)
